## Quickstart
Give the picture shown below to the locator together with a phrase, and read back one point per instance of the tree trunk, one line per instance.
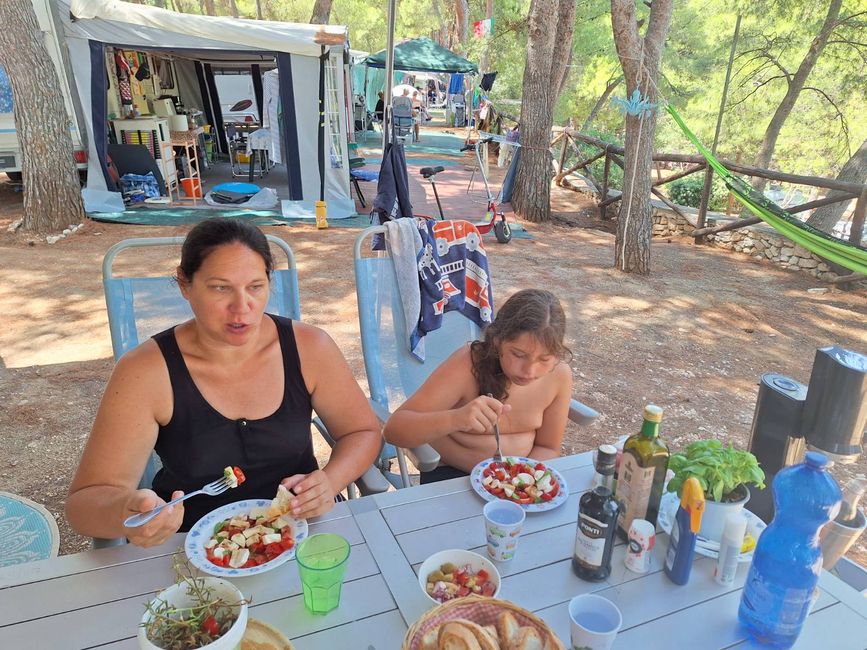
(600, 103)
(462, 21)
(796, 84)
(233, 8)
(208, 7)
(549, 40)
(259, 15)
(484, 64)
(639, 58)
(52, 191)
(854, 171)
(321, 12)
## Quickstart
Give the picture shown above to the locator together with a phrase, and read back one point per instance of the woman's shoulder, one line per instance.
(309, 336)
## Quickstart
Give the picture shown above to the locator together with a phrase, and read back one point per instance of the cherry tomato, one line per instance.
(482, 575)
(540, 466)
(239, 475)
(211, 626)
(500, 474)
(488, 589)
(487, 471)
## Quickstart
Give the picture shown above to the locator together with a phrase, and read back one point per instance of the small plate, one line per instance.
(203, 529)
(668, 510)
(561, 497)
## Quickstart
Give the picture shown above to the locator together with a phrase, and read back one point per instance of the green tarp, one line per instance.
(422, 55)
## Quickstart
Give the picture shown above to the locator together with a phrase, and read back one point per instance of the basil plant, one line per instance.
(719, 469)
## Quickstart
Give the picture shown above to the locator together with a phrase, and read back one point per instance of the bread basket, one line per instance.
(480, 610)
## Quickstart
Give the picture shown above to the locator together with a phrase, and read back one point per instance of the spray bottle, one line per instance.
(681, 547)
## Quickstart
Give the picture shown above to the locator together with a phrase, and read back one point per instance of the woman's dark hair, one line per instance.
(535, 311)
(212, 233)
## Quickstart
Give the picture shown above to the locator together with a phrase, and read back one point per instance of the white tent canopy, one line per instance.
(91, 25)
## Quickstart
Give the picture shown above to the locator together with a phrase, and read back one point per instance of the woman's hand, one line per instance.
(480, 415)
(158, 529)
(314, 494)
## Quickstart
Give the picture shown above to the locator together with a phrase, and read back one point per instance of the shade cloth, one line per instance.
(422, 55)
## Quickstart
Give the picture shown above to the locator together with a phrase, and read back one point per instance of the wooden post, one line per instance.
(856, 233)
(731, 202)
(563, 155)
(602, 206)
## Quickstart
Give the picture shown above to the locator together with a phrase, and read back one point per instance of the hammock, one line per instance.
(841, 252)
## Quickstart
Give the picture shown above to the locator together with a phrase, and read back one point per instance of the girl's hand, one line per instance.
(314, 494)
(158, 529)
(480, 415)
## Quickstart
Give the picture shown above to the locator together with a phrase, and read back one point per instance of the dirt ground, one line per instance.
(693, 337)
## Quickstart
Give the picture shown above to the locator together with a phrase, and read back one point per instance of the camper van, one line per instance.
(11, 150)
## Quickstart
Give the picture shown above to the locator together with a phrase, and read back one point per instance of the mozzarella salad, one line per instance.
(247, 541)
(520, 482)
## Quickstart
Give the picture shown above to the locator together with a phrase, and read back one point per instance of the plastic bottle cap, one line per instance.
(653, 413)
(735, 528)
(815, 459)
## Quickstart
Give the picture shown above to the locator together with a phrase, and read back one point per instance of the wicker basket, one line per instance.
(480, 610)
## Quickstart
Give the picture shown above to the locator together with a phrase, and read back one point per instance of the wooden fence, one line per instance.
(568, 138)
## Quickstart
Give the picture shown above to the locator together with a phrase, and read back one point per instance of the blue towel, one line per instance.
(364, 174)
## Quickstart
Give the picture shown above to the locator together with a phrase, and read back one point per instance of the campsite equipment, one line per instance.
(192, 187)
(642, 472)
(787, 561)
(494, 220)
(829, 415)
(687, 522)
(212, 489)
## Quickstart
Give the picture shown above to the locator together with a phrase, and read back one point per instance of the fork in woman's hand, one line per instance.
(211, 489)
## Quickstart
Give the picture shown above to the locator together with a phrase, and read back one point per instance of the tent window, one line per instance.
(332, 114)
(5, 92)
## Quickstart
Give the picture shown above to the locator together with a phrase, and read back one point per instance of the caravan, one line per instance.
(11, 150)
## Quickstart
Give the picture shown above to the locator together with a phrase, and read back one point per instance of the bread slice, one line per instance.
(485, 640)
(507, 629)
(492, 632)
(454, 636)
(528, 638)
(430, 641)
(280, 503)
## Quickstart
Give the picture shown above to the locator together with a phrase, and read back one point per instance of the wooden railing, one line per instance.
(568, 138)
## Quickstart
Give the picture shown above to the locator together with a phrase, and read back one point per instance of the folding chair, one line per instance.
(401, 117)
(139, 307)
(393, 373)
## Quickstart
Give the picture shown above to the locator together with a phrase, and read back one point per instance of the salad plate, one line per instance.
(204, 529)
(558, 495)
(709, 548)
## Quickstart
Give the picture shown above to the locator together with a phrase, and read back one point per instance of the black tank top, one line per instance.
(198, 442)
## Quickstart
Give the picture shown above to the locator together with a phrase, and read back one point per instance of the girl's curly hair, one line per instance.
(536, 311)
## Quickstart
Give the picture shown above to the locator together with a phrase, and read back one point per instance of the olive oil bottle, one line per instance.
(642, 472)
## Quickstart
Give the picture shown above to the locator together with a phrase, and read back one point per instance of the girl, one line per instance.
(517, 377)
(231, 386)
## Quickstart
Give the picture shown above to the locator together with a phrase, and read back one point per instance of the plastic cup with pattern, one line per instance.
(503, 523)
(642, 536)
(321, 564)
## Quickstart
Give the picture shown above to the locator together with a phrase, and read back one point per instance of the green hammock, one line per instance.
(841, 252)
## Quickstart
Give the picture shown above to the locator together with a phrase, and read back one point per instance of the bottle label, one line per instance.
(672, 546)
(634, 485)
(783, 610)
(590, 541)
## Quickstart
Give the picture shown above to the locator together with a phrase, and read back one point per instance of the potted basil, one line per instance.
(724, 473)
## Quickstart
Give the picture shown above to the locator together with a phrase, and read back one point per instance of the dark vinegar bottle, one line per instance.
(597, 521)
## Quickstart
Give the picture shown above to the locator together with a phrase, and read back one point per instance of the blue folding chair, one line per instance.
(393, 373)
(141, 306)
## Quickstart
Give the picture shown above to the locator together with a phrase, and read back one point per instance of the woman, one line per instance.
(516, 377)
(232, 386)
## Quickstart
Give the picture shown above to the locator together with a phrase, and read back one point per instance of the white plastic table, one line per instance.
(96, 598)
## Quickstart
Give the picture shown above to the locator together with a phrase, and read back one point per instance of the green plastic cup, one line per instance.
(321, 564)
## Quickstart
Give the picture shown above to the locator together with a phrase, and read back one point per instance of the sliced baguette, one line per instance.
(528, 638)
(507, 629)
(280, 503)
(485, 640)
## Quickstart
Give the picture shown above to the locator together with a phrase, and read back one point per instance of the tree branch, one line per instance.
(843, 125)
(753, 91)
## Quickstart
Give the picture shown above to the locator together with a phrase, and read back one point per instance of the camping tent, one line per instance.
(423, 55)
(316, 158)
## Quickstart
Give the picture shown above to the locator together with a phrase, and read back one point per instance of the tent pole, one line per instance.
(321, 210)
(389, 73)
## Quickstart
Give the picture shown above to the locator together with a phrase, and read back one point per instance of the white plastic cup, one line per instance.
(642, 537)
(594, 622)
(503, 523)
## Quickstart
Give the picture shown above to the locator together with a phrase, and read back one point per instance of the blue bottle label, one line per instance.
(672, 546)
(784, 609)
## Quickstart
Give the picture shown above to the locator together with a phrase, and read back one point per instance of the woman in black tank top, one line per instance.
(233, 386)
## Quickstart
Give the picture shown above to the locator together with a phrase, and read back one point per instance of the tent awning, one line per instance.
(423, 55)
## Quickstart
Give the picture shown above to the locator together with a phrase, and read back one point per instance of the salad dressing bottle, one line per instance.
(642, 472)
(597, 521)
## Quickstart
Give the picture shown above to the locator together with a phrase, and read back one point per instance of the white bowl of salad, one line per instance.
(201, 612)
(455, 573)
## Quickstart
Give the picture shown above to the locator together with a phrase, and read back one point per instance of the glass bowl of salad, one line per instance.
(455, 573)
(204, 612)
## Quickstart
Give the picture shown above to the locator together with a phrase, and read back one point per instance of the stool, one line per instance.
(29, 530)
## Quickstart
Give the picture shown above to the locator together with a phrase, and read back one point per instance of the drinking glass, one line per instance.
(321, 564)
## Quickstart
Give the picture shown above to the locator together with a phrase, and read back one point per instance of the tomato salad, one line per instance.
(449, 582)
(520, 482)
(247, 541)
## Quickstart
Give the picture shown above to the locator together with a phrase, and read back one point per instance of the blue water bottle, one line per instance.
(787, 560)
